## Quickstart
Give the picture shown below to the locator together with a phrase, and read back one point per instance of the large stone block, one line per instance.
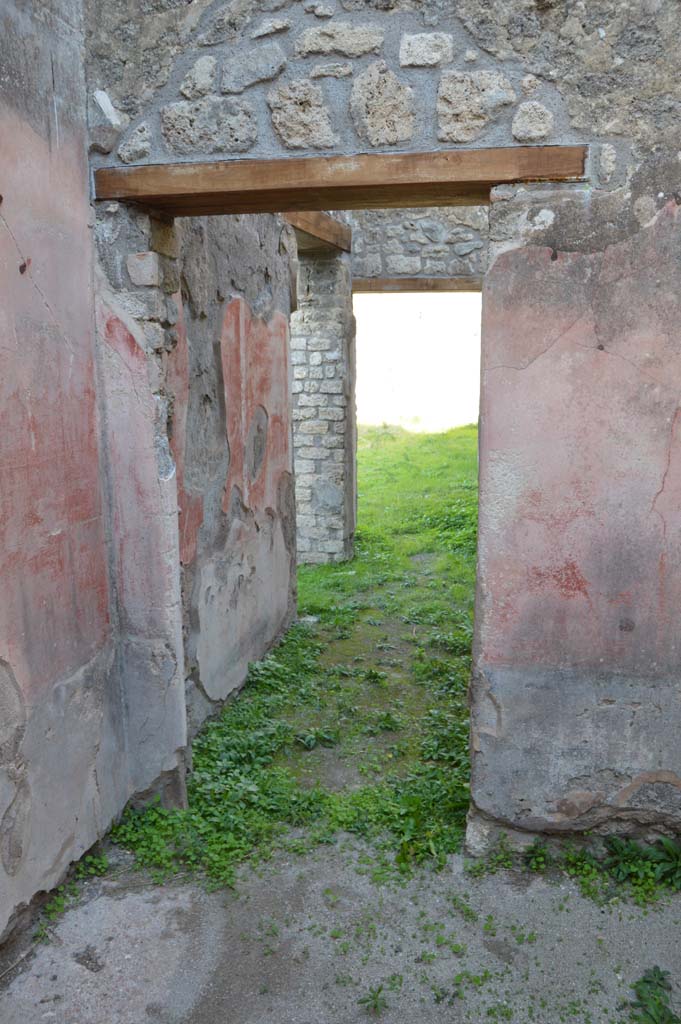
(300, 116)
(382, 108)
(468, 101)
(209, 125)
(261, 64)
(340, 37)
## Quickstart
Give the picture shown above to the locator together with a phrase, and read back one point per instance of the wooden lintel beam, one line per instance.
(458, 177)
(378, 285)
(319, 233)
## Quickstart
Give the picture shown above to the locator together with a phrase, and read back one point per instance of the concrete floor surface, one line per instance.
(304, 939)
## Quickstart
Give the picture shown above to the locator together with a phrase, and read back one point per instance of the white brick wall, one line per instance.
(324, 420)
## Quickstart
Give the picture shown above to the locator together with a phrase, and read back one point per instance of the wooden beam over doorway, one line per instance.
(393, 285)
(318, 233)
(459, 177)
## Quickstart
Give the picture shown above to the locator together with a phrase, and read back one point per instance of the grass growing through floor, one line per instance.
(357, 723)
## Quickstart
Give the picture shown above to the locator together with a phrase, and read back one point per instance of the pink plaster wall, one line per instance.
(578, 645)
(54, 608)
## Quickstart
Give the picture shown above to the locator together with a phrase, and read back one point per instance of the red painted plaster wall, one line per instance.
(54, 606)
(576, 696)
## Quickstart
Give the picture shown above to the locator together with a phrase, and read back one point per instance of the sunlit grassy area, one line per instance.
(358, 722)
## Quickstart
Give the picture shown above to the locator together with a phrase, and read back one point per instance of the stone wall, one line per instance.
(152, 376)
(576, 702)
(231, 438)
(263, 78)
(426, 242)
(197, 314)
(324, 416)
(86, 679)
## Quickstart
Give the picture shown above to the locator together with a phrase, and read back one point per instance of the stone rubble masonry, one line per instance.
(423, 242)
(324, 415)
(309, 78)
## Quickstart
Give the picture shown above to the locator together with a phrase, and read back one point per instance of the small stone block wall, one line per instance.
(324, 417)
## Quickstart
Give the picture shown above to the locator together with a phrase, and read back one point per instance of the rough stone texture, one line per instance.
(345, 38)
(382, 108)
(606, 73)
(261, 64)
(324, 413)
(579, 574)
(300, 116)
(331, 71)
(467, 101)
(137, 146)
(424, 242)
(532, 122)
(200, 79)
(209, 125)
(231, 440)
(426, 50)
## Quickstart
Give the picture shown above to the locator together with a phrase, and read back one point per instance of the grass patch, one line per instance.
(358, 722)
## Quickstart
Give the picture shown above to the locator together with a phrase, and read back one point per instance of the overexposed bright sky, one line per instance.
(418, 359)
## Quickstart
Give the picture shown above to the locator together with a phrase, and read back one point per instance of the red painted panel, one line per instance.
(190, 505)
(54, 587)
(255, 373)
(581, 457)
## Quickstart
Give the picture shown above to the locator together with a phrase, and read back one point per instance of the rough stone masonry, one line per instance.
(143, 372)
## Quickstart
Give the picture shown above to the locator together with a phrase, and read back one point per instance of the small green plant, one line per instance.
(374, 1002)
(652, 1004)
(91, 865)
(537, 857)
(318, 738)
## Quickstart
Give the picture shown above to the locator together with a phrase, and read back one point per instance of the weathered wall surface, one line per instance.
(324, 413)
(427, 242)
(66, 766)
(229, 386)
(577, 699)
(263, 78)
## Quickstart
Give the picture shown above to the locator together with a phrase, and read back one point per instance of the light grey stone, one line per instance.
(340, 37)
(607, 163)
(468, 101)
(403, 264)
(105, 122)
(271, 27)
(426, 50)
(532, 122)
(300, 116)
(382, 108)
(212, 124)
(319, 10)
(200, 79)
(261, 64)
(331, 71)
(144, 269)
(137, 146)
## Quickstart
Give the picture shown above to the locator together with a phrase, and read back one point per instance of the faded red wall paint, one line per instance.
(190, 505)
(143, 503)
(255, 374)
(580, 468)
(54, 597)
